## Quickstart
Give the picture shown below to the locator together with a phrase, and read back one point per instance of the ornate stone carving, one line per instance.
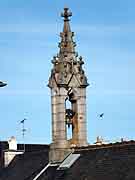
(66, 63)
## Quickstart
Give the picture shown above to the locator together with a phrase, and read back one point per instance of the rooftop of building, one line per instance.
(113, 161)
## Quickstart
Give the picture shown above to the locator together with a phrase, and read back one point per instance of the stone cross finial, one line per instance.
(66, 14)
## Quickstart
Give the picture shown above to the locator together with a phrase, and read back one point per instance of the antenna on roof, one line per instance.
(23, 131)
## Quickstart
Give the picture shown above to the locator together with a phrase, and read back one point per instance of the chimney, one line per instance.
(12, 143)
(11, 152)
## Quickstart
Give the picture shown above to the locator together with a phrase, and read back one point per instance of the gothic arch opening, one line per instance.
(69, 115)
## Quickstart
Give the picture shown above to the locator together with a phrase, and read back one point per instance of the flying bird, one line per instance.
(2, 84)
(101, 115)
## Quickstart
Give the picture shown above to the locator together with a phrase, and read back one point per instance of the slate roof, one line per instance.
(26, 166)
(107, 162)
(104, 162)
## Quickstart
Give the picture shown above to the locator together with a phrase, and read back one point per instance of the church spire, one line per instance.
(67, 65)
(67, 45)
(68, 84)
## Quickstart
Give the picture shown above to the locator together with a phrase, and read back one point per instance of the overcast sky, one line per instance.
(105, 37)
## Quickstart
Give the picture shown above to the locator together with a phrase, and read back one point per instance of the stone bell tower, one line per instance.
(68, 96)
